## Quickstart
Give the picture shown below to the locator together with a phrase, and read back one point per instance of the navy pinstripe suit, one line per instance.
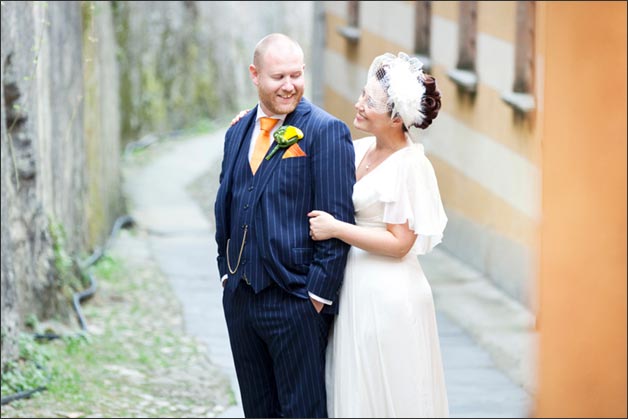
(277, 338)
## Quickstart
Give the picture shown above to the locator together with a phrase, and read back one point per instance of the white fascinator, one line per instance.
(396, 83)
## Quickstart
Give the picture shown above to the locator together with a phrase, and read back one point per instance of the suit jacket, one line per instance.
(288, 188)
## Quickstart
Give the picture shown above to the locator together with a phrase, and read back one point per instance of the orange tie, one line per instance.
(262, 143)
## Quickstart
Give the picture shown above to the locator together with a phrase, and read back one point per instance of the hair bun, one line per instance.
(430, 102)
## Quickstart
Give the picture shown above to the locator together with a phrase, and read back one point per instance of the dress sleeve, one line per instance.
(415, 198)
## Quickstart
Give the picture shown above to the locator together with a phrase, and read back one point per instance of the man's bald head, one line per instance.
(279, 43)
(278, 73)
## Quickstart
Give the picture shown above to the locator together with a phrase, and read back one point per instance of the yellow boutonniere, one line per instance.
(285, 136)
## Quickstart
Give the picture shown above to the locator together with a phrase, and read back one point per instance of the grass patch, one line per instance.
(135, 362)
(29, 370)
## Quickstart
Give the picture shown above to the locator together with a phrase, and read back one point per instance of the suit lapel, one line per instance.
(242, 132)
(271, 165)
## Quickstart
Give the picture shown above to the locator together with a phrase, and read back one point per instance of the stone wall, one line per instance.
(60, 153)
(79, 78)
(182, 62)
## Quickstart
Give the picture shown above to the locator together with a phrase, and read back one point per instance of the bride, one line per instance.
(383, 358)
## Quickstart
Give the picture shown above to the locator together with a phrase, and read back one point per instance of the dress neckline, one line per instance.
(383, 162)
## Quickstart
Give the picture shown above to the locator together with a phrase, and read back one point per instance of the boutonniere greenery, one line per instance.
(285, 136)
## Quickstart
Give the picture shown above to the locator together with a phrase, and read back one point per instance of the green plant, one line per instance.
(28, 371)
(74, 343)
(108, 268)
(65, 266)
(31, 321)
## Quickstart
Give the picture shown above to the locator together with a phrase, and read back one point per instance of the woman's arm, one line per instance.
(395, 241)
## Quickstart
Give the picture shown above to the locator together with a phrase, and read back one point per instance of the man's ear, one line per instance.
(254, 74)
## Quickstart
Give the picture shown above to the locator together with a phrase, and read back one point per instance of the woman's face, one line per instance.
(373, 112)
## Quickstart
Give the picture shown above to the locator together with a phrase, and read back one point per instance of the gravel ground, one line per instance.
(137, 361)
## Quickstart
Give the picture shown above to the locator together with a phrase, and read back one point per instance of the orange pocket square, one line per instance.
(294, 151)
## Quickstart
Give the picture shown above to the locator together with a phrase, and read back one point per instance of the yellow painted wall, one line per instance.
(582, 126)
(498, 19)
(362, 54)
(488, 221)
(488, 115)
(446, 9)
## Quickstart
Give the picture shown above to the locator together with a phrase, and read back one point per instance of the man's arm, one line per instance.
(333, 171)
(221, 216)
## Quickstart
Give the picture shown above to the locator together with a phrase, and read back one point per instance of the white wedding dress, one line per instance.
(383, 358)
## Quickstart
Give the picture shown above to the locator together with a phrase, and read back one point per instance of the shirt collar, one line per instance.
(261, 114)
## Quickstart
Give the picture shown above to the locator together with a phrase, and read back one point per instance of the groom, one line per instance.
(280, 287)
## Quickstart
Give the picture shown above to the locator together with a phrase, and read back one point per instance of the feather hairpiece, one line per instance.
(402, 79)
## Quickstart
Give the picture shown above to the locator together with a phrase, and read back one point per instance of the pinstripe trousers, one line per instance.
(290, 383)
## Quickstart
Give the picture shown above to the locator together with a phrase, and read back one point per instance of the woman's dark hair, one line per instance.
(430, 102)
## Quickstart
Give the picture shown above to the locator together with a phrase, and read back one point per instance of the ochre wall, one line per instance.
(493, 212)
(582, 129)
